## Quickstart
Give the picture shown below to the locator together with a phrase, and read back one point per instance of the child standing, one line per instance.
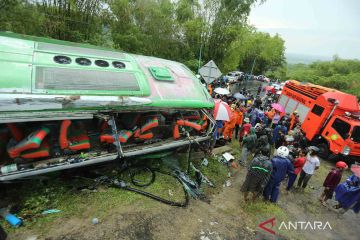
(332, 180)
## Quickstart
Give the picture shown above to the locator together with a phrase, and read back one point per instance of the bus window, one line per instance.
(302, 111)
(318, 110)
(355, 136)
(283, 100)
(341, 127)
(290, 107)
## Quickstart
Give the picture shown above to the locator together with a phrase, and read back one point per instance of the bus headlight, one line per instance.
(346, 150)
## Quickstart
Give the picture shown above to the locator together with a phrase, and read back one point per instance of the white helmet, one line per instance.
(257, 126)
(282, 152)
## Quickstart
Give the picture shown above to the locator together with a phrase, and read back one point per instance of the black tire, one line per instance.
(334, 158)
(142, 177)
(324, 150)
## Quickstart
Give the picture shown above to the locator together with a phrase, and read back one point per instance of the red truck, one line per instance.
(329, 118)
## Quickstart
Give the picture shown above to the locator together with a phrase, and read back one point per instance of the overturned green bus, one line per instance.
(65, 105)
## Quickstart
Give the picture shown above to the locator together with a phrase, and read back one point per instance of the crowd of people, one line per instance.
(279, 150)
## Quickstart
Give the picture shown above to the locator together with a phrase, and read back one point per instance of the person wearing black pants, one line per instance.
(303, 179)
(312, 163)
(237, 128)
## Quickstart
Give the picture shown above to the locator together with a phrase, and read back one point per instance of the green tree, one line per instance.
(340, 74)
(176, 30)
(251, 47)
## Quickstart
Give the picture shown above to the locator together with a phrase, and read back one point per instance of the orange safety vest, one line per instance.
(271, 113)
(240, 118)
(292, 121)
(233, 120)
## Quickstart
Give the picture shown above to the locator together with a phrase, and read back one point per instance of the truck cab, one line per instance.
(329, 118)
(342, 134)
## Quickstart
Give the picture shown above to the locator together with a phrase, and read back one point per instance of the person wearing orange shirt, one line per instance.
(230, 125)
(294, 120)
(239, 122)
(271, 114)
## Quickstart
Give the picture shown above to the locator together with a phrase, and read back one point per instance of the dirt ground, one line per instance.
(225, 217)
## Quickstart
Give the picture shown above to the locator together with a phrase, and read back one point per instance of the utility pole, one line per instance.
(201, 39)
(251, 72)
(252, 67)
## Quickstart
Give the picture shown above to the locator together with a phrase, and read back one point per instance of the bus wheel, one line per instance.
(324, 150)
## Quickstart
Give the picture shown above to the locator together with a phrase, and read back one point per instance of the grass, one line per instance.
(58, 192)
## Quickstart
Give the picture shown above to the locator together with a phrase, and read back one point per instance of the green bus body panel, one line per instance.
(28, 67)
(15, 65)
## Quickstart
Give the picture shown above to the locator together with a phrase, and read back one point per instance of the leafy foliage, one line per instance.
(183, 30)
(340, 74)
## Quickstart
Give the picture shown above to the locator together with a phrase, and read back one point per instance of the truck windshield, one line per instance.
(355, 136)
(341, 127)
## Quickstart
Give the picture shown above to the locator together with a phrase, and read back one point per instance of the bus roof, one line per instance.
(347, 102)
(162, 82)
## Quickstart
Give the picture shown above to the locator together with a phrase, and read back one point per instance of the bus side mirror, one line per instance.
(333, 101)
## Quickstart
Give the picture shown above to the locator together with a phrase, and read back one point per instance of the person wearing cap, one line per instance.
(282, 166)
(332, 180)
(312, 163)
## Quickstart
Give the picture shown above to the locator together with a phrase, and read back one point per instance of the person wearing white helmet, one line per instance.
(281, 167)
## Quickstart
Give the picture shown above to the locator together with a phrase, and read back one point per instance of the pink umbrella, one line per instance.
(356, 170)
(222, 111)
(278, 107)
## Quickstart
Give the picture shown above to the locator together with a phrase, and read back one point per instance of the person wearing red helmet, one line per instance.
(332, 180)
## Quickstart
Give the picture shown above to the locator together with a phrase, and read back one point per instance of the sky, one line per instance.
(312, 27)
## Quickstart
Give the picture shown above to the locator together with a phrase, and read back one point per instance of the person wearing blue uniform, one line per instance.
(281, 167)
(280, 127)
(253, 115)
(348, 194)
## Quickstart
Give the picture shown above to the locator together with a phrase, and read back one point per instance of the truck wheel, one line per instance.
(324, 150)
(333, 158)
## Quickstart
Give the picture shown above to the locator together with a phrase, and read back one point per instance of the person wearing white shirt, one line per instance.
(312, 163)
